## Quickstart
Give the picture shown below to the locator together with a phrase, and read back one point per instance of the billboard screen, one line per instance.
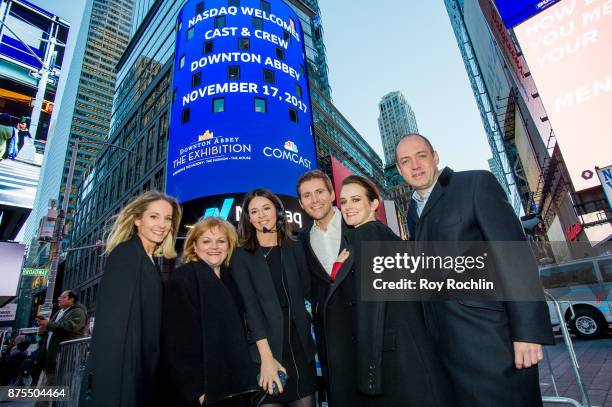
(12, 259)
(514, 12)
(567, 48)
(241, 106)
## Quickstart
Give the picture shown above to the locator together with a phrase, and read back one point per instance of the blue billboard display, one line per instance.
(241, 105)
(514, 12)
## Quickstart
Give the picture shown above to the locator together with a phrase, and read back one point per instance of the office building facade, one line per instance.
(526, 158)
(395, 119)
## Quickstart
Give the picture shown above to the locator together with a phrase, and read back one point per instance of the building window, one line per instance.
(220, 22)
(293, 116)
(181, 61)
(190, 33)
(298, 90)
(179, 25)
(200, 7)
(173, 95)
(233, 72)
(218, 105)
(257, 23)
(264, 6)
(261, 105)
(286, 35)
(244, 44)
(208, 47)
(185, 115)
(268, 76)
(280, 53)
(196, 79)
(233, 3)
(302, 69)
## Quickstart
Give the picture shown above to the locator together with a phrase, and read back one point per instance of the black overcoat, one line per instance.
(263, 311)
(204, 347)
(474, 338)
(394, 362)
(122, 364)
(319, 287)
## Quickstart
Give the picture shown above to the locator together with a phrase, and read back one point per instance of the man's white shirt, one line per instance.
(326, 243)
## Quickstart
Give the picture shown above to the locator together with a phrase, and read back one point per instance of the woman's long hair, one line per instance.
(202, 227)
(124, 228)
(247, 235)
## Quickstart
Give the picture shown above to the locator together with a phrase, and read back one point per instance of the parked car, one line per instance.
(586, 284)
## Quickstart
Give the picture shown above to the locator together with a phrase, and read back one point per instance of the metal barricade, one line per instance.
(573, 361)
(71, 360)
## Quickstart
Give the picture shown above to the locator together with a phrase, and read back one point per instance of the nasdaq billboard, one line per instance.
(241, 105)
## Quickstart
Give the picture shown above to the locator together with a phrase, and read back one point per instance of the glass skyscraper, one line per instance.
(490, 87)
(395, 120)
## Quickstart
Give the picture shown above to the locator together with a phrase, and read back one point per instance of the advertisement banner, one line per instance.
(12, 259)
(605, 177)
(567, 48)
(241, 114)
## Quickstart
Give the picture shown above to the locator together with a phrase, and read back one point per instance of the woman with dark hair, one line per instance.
(205, 355)
(125, 342)
(270, 271)
(395, 363)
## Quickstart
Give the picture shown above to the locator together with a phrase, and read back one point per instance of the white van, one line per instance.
(587, 285)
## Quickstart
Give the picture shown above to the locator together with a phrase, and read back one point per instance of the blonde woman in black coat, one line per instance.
(125, 344)
(205, 355)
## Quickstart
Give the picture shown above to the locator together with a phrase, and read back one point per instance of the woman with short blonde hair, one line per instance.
(205, 354)
(125, 343)
(224, 227)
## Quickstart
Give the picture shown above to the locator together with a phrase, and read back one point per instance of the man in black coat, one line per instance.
(331, 307)
(490, 350)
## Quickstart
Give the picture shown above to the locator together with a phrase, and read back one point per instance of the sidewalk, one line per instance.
(595, 361)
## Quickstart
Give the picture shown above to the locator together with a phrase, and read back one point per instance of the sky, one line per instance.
(374, 48)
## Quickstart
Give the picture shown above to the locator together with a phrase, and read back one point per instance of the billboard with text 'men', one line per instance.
(567, 48)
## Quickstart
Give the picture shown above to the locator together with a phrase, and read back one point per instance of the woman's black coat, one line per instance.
(204, 347)
(394, 362)
(125, 342)
(263, 310)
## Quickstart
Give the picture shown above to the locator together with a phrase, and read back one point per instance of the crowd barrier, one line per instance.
(584, 397)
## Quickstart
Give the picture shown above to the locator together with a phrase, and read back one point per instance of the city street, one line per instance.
(594, 358)
(595, 361)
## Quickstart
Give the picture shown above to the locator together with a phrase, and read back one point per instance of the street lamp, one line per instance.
(61, 218)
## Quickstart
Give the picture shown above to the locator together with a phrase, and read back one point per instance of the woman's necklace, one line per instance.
(268, 252)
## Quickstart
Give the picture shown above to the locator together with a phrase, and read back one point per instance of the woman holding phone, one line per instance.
(269, 268)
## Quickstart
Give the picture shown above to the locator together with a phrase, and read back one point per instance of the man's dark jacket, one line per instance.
(475, 338)
(72, 325)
